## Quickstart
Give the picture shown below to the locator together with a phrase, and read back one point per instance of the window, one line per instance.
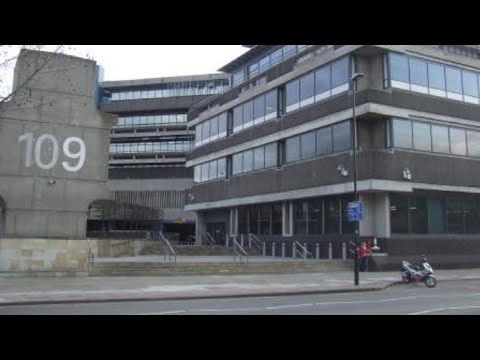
(293, 149)
(221, 168)
(247, 161)
(322, 83)
(271, 105)
(259, 158)
(440, 141)
(271, 155)
(457, 142)
(237, 165)
(205, 172)
(247, 114)
(324, 141)
(418, 75)
(212, 170)
(222, 125)
(307, 84)
(422, 139)
(473, 141)
(399, 71)
(454, 83)
(402, 133)
(342, 139)
(307, 149)
(197, 174)
(293, 95)
(340, 75)
(259, 109)
(237, 118)
(470, 86)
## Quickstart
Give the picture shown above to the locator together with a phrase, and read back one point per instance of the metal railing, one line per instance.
(210, 240)
(168, 249)
(304, 253)
(253, 239)
(239, 251)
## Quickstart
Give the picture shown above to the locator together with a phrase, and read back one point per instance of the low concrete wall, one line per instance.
(49, 255)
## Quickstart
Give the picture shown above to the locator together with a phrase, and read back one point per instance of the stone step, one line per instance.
(211, 268)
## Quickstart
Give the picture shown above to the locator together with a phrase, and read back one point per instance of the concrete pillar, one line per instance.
(376, 216)
(287, 219)
(233, 221)
(200, 228)
(367, 225)
(2, 219)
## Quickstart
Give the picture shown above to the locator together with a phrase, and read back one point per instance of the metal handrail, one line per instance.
(211, 241)
(305, 253)
(240, 253)
(256, 241)
(168, 247)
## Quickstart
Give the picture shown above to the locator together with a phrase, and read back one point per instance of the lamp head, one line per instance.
(357, 76)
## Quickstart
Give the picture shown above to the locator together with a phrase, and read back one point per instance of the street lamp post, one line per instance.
(354, 79)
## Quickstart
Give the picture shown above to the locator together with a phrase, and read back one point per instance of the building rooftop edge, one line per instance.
(163, 80)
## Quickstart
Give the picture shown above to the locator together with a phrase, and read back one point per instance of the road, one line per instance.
(449, 297)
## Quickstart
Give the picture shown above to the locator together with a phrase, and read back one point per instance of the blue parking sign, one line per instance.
(355, 211)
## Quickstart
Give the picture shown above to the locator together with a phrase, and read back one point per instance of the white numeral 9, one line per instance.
(80, 155)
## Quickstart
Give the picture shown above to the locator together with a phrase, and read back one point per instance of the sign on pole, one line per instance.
(355, 211)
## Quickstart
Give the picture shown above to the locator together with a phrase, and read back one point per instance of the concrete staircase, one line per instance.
(185, 250)
(185, 267)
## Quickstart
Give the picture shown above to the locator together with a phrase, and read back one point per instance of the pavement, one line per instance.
(44, 290)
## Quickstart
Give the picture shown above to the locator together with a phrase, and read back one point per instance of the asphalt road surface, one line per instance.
(448, 298)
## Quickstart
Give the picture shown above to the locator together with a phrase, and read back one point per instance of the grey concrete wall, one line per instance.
(48, 192)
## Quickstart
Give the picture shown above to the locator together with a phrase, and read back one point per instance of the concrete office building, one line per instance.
(281, 166)
(53, 161)
(149, 144)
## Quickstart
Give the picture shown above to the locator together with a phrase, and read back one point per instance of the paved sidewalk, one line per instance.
(18, 291)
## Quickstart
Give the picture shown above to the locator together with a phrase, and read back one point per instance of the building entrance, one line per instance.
(217, 231)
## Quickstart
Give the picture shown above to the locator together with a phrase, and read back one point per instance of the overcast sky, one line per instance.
(125, 62)
(129, 62)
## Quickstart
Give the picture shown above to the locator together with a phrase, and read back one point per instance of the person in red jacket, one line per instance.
(364, 252)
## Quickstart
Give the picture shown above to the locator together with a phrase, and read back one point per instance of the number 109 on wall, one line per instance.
(34, 148)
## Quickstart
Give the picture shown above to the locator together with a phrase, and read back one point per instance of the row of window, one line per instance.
(265, 63)
(256, 111)
(189, 88)
(423, 136)
(323, 141)
(211, 170)
(150, 147)
(150, 120)
(329, 80)
(429, 77)
(434, 215)
(265, 219)
(261, 157)
(319, 216)
(211, 130)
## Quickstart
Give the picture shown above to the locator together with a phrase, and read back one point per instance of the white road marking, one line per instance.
(164, 312)
(444, 309)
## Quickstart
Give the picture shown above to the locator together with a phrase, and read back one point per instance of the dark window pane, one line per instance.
(402, 133)
(315, 216)
(418, 215)
(340, 72)
(418, 72)
(271, 155)
(265, 219)
(471, 216)
(243, 220)
(436, 215)
(342, 137)
(306, 86)
(457, 142)
(293, 149)
(473, 141)
(422, 139)
(322, 80)
(454, 80)
(455, 216)
(324, 141)
(253, 219)
(440, 140)
(300, 216)
(399, 67)
(399, 214)
(259, 158)
(332, 215)
(307, 149)
(277, 219)
(436, 76)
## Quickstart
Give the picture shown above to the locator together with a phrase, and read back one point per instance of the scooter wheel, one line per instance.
(430, 281)
(406, 279)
